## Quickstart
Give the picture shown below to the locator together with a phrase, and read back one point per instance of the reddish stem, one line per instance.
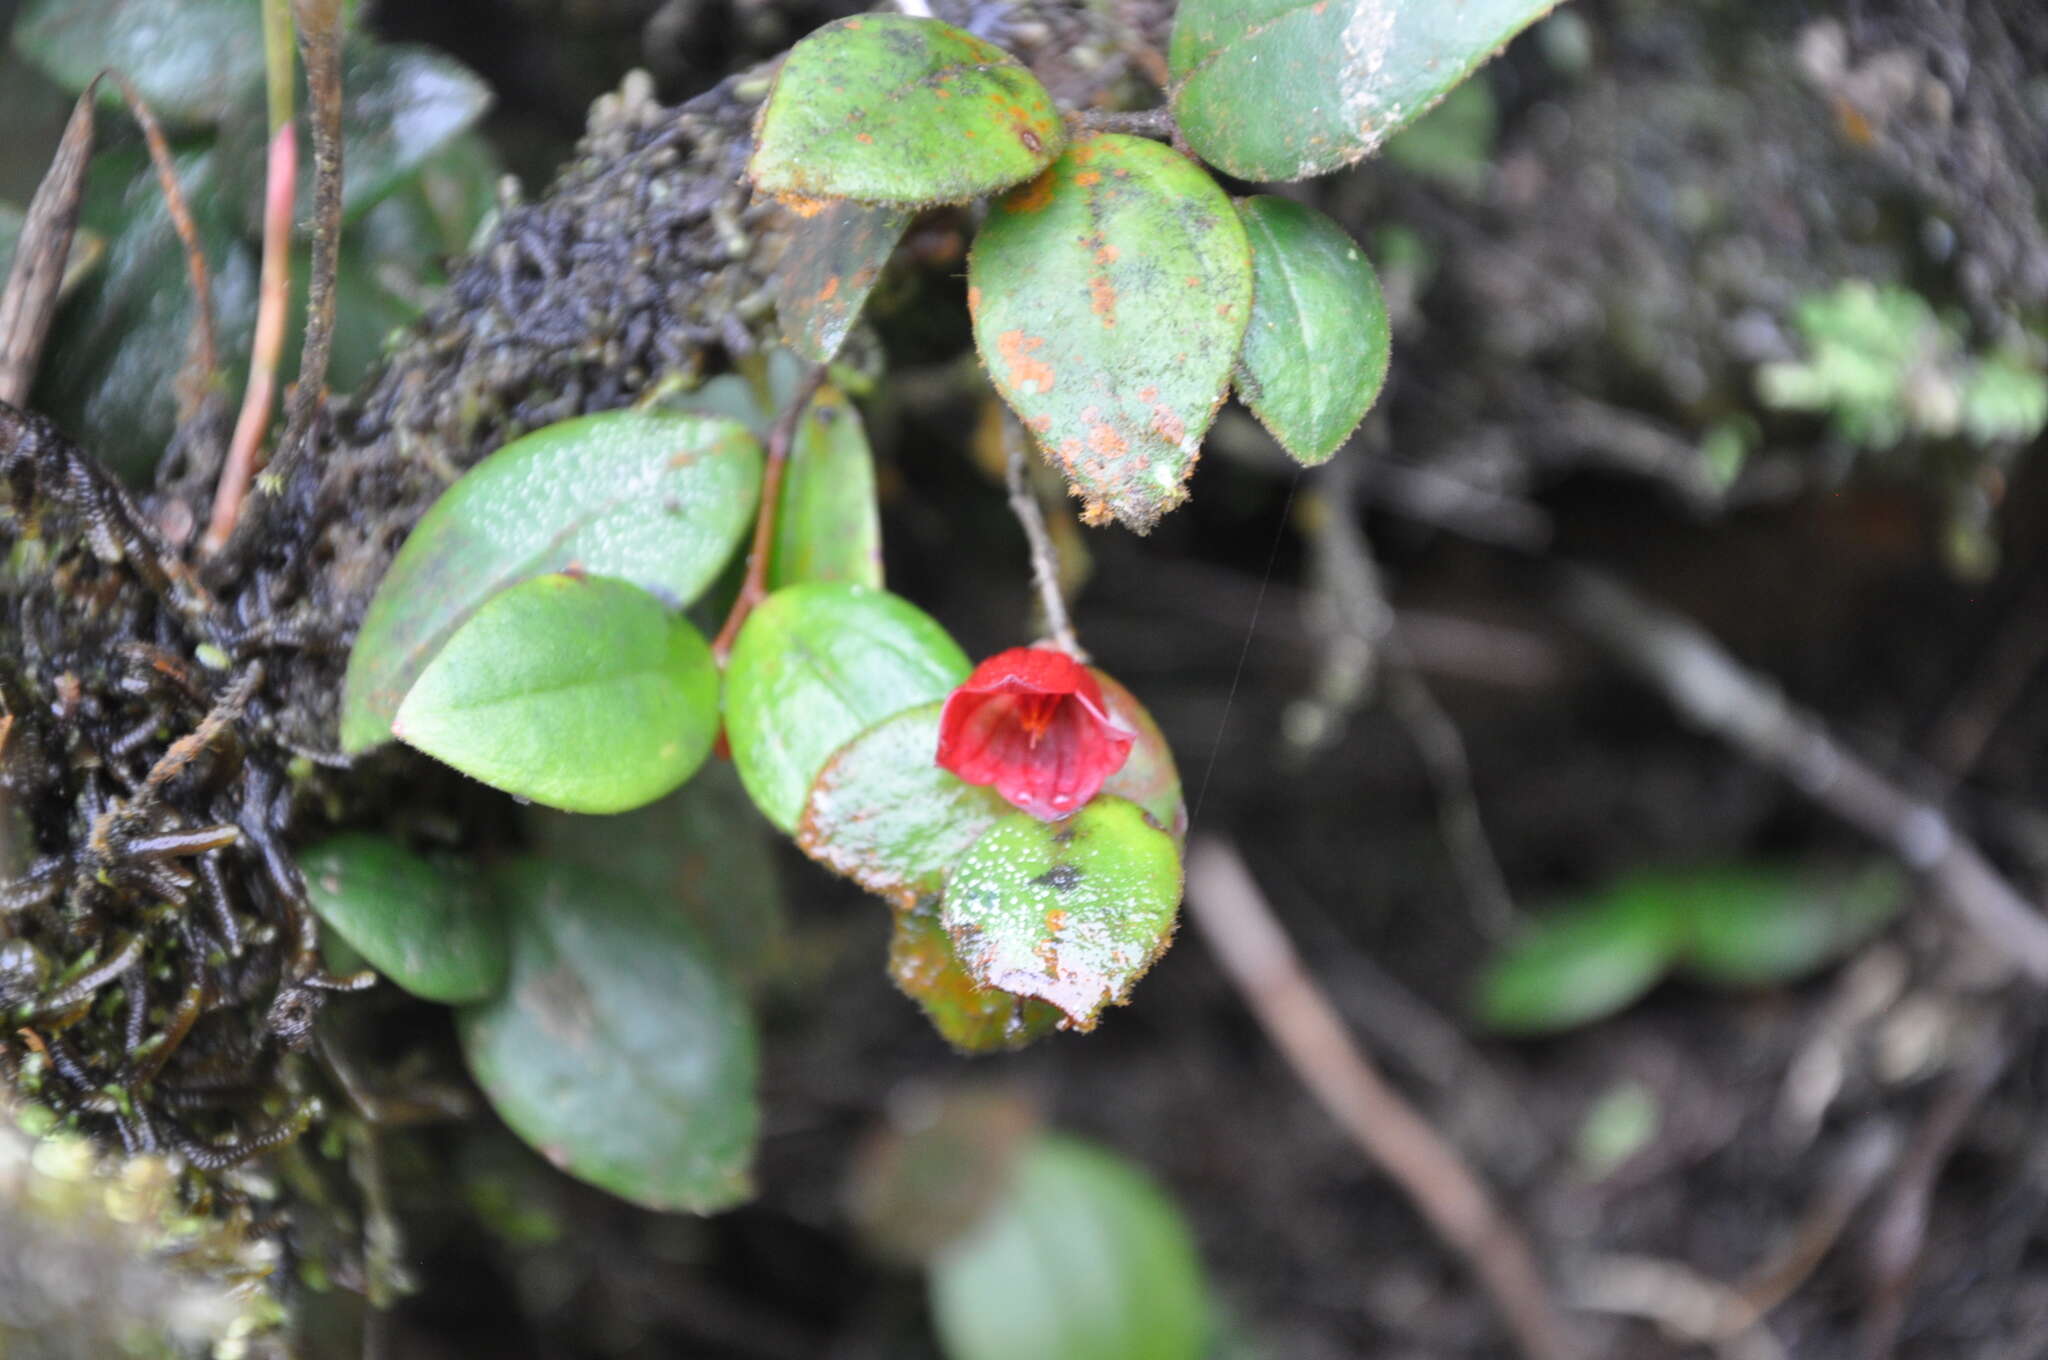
(755, 587)
(274, 296)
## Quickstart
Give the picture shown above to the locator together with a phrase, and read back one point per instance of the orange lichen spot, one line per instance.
(1082, 152)
(855, 25)
(1031, 197)
(1167, 424)
(973, 299)
(829, 291)
(1104, 439)
(864, 138)
(1148, 394)
(1224, 309)
(1088, 177)
(1095, 514)
(1056, 920)
(1194, 280)
(1102, 298)
(1031, 376)
(1040, 424)
(1106, 255)
(804, 207)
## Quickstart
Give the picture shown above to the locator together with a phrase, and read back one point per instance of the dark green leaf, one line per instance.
(830, 266)
(1753, 927)
(1110, 296)
(120, 344)
(883, 108)
(1315, 354)
(580, 692)
(401, 106)
(1581, 964)
(427, 926)
(1072, 912)
(829, 528)
(194, 61)
(1149, 777)
(1286, 89)
(974, 1019)
(653, 497)
(883, 813)
(815, 666)
(1083, 1259)
(702, 849)
(618, 1050)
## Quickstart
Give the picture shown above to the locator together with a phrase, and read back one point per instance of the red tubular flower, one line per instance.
(1032, 723)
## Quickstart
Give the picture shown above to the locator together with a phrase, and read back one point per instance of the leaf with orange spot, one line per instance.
(889, 109)
(1286, 89)
(967, 1015)
(831, 264)
(1111, 302)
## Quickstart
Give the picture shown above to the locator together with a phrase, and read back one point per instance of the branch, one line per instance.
(1748, 712)
(1045, 561)
(754, 588)
(29, 304)
(1255, 953)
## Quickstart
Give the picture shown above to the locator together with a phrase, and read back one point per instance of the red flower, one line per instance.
(1031, 722)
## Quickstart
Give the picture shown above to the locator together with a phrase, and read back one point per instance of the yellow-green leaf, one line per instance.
(829, 528)
(885, 108)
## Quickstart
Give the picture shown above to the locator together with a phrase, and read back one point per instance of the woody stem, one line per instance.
(755, 587)
(1045, 562)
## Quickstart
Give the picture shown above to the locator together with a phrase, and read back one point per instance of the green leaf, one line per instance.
(1072, 912)
(815, 666)
(1581, 964)
(427, 926)
(1110, 296)
(118, 347)
(401, 106)
(883, 108)
(830, 266)
(702, 849)
(829, 528)
(1315, 353)
(1752, 927)
(618, 1050)
(884, 814)
(1286, 89)
(657, 498)
(194, 61)
(1084, 1259)
(1149, 777)
(580, 692)
(972, 1018)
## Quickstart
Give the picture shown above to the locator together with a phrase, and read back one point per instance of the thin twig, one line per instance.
(1750, 713)
(1045, 561)
(1255, 953)
(206, 347)
(273, 300)
(754, 588)
(29, 304)
(319, 25)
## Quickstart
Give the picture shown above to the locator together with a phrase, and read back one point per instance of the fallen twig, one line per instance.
(1255, 953)
(1749, 712)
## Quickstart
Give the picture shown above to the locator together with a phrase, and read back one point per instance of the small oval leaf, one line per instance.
(580, 692)
(1580, 964)
(425, 925)
(972, 1018)
(828, 528)
(1755, 927)
(1315, 354)
(618, 1050)
(657, 498)
(1286, 89)
(884, 814)
(1072, 912)
(1110, 297)
(833, 262)
(1083, 1258)
(815, 666)
(885, 108)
